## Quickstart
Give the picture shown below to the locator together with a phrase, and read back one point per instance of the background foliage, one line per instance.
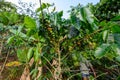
(51, 47)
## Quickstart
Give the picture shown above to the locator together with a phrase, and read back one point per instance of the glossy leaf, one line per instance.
(36, 54)
(90, 18)
(29, 22)
(4, 19)
(12, 17)
(30, 53)
(1, 27)
(22, 55)
(102, 50)
(105, 34)
(10, 40)
(118, 58)
(116, 29)
(117, 18)
(80, 15)
(43, 6)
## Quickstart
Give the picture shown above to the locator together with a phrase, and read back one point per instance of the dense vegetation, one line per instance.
(50, 47)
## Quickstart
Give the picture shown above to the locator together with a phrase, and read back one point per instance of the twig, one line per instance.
(95, 32)
(41, 10)
(65, 56)
(49, 70)
(1, 47)
(92, 34)
(76, 71)
(49, 62)
(101, 75)
(59, 61)
(5, 62)
(93, 71)
(73, 76)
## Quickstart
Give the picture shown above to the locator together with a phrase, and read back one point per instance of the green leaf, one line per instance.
(102, 50)
(10, 40)
(90, 18)
(117, 38)
(38, 9)
(12, 17)
(60, 14)
(117, 18)
(103, 23)
(21, 54)
(1, 27)
(30, 53)
(31, 32)
(76, 22)
(29, 22)
(88, 15)
(74, 57)
(13, 31)
(116, 29)
(44, 6)
(22, 35)
(118, 58)
(105, 34)
(117, 50)
(4, 19)
(80, 15)
(36, 54)
(103, 1)
(84, 15)
(48, 5)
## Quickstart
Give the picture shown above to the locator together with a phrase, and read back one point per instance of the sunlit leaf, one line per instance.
(118, 58)
(116, 29)
(1, 25)
(105, 34)
(36, 54)
(13, 31)
(102, 50)
(22, 55)
(30, 53)
(117, 18)
(10, 40)
(90, 18)
(4, 19)
(29, 23)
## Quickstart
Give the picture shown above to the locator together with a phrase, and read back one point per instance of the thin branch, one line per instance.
(1, 47)
(73, 76)
(5, 62)
(86, 36)
(102, 74)
(49, 70)
(48, 62)
(93, 71)
(41, 10)
(95, 32)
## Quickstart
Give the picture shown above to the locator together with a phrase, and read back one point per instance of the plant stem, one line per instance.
(57, 71)
(1, 47)
(59, 62)
(5, 62)
(41, 10)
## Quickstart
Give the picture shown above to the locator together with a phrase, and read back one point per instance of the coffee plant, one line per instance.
(54, 48)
